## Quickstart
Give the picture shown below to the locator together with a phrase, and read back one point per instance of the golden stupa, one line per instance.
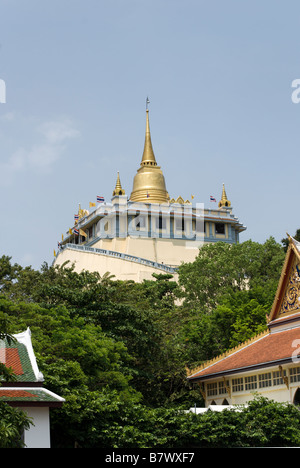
(224, 202)
(149, 183)
(118, 188)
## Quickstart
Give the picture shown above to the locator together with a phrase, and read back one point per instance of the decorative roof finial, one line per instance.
(118, 189)
(149, 182)
(148, 158)
(224, 202)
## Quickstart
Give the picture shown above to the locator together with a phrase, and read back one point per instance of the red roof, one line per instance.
(16, 394)
(265, 350)
(10, 357)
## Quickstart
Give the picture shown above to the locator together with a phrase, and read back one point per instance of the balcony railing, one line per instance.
(112, 253)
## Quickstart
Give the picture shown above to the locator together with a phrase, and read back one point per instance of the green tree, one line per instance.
(228, 293)
(13, 422)
(222, 268)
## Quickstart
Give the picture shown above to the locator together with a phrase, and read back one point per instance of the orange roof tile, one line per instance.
(10, 357)
(265, 350)
(16, 394)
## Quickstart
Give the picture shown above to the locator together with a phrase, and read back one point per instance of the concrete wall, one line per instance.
(168, 251)
(38, 435)
(122, 269)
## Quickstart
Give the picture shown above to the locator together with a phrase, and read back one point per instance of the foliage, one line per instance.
(110, 423)
(224, 268)
(117, 350)
(12, 424)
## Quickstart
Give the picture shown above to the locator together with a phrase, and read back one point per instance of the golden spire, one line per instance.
(118, 189)
(149, 183)
(148, 154)
(224, 202)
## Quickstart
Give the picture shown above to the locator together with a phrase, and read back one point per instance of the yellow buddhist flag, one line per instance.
(82, 233)
(70, 231)
(92, 204)
(192, 196)
(54, 253)
(62, 237)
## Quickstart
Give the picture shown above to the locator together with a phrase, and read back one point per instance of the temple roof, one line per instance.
(287, 297)
(30, 396)
(263, 351)
(18, 355)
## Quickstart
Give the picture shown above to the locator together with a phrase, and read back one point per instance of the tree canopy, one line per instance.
(117, 350)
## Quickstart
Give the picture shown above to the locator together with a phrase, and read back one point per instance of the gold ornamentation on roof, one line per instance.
(82, 213)
(206, 364)
(291, 300)
(118, 188)
(181, 201)
(224, 202)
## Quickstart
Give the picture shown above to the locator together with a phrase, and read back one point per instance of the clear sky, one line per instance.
(218, 74)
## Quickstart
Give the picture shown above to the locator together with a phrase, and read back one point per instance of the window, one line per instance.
(212, 389)
(238, 385)
(265, 380)
(220, 228)
(251, 382)
(295, 374)
(223, 387)
(277, 378)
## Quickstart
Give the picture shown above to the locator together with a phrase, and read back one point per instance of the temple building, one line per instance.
(147, 232)
(268, 364)
(26, 391)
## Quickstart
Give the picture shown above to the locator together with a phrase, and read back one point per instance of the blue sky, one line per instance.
(77, 73)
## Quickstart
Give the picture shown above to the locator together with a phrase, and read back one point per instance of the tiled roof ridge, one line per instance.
(18, 354)
(226, 354)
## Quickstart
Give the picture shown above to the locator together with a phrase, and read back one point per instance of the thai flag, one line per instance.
(212, 198)
(76, 231)
(76, 217)
(100, 199)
